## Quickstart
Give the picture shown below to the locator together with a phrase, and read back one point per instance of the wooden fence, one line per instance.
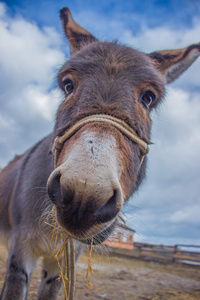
(161, 253)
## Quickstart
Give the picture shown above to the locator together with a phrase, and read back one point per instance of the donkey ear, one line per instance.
(76, 35)
(172, 63)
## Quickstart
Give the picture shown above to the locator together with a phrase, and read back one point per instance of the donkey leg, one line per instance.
(20, 265)
(51, 283)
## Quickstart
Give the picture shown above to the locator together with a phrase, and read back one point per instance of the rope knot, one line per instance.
(56, 148)
(57, 145)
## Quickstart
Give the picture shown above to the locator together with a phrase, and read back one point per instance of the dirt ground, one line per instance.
(117, 278)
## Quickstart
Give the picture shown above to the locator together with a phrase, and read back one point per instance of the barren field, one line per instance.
(126, 279)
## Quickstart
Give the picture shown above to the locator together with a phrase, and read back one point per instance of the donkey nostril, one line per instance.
(53, 188)
(109, 210)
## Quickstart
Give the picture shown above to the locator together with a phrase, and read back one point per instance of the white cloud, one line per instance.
(188, 214)
(176, 128)
(151, 39)
(39, 102)
(2, 9)
(163, 38)
(29, 52)
(29, 59)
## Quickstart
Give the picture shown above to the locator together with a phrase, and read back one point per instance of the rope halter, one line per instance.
(59, 141)
(122, 126)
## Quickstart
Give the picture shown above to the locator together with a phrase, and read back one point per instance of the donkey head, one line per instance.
(98, 167)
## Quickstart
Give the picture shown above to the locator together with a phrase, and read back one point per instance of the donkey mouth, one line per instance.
(86, 231)
(100, 237)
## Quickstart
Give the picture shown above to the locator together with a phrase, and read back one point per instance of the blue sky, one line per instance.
(33, 47)
(176, 12)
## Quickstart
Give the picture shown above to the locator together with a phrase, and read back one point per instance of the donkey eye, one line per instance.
(147, 98)
(68, 86)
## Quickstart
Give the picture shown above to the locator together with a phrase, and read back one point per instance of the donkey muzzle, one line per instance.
(83, 203)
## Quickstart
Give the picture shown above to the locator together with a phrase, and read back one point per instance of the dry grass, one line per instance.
(128, 279)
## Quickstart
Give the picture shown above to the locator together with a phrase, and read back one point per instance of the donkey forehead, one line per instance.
(113, 60)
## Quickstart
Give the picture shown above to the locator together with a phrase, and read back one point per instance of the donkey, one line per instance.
(99, 142)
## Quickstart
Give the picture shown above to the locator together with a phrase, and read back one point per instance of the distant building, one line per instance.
(122, 237)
